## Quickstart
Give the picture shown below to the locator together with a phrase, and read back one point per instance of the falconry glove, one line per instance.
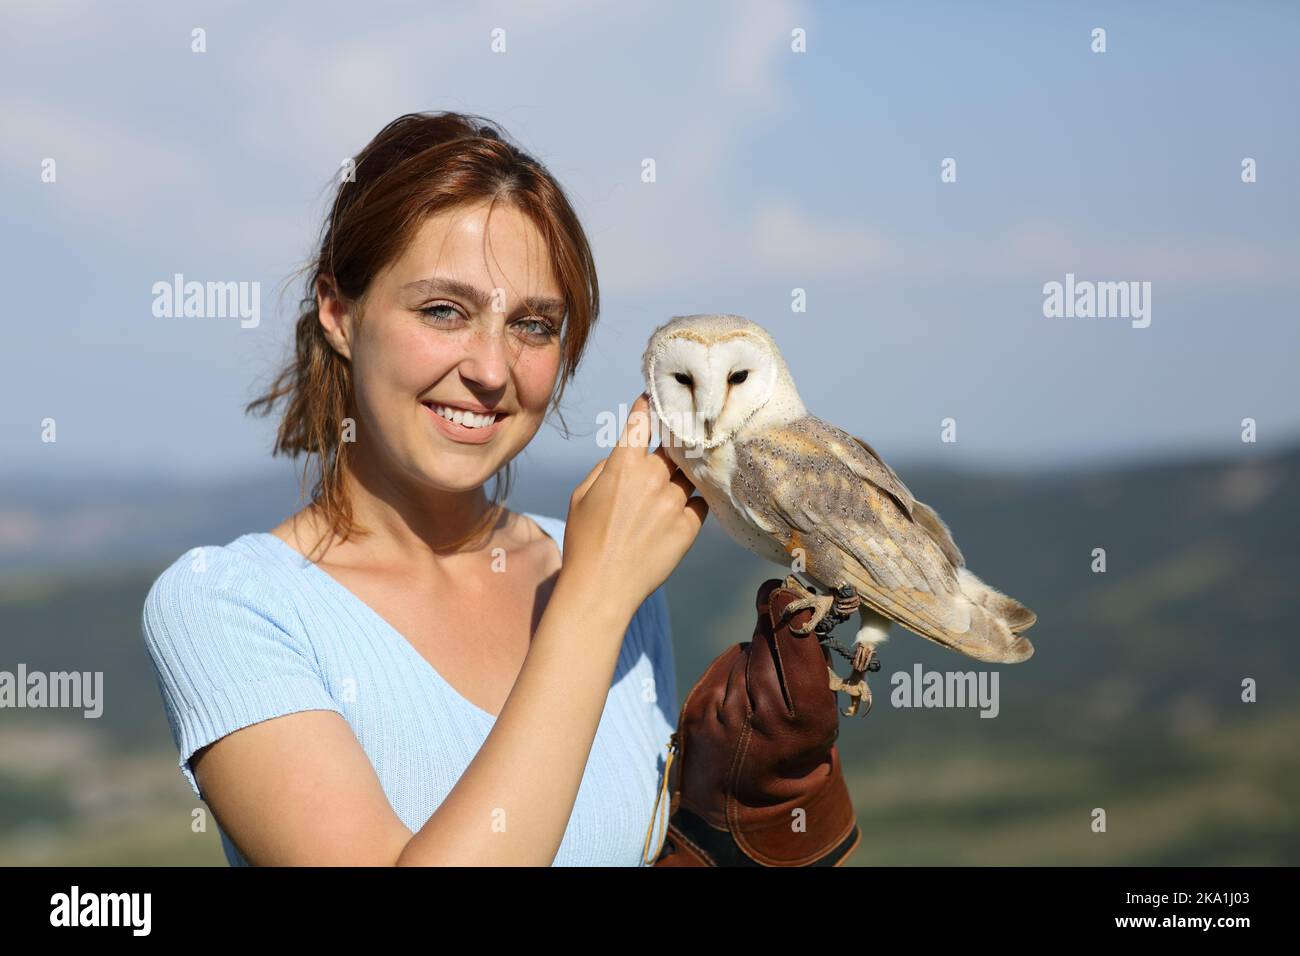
(753, 771)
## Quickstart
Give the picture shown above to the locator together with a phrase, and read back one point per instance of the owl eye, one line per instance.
(683, 378)
(737, 377)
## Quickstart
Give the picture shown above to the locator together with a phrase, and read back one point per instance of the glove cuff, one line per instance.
(693, 842)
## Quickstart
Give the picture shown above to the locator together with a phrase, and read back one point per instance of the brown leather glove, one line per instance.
(756, 779)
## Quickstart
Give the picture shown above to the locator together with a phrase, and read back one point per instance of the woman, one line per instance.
(404, 672)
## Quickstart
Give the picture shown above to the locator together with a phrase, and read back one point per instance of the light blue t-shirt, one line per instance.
(252, 630)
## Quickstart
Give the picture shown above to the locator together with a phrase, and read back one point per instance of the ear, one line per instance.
(335, 316)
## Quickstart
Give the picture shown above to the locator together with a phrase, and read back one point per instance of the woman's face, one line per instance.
(468, 318)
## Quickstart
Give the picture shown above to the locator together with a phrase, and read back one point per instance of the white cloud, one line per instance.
(756, 39)
(783, 236)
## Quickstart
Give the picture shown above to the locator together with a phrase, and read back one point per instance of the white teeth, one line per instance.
(462, 417)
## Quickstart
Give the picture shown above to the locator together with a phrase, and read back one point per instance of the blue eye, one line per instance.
(539, 329)
(438, 311)
(445, 314)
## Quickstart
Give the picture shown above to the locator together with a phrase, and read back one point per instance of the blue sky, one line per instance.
(776, 170)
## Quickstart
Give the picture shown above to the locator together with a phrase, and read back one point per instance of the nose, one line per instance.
(487, 361)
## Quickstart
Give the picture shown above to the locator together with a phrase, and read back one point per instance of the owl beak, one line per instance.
(708, 429)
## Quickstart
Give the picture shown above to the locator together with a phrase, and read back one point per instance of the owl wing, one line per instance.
(863, 461)
(813, 485)
(866, 463)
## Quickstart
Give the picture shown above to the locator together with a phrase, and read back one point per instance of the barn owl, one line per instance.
(800, 492)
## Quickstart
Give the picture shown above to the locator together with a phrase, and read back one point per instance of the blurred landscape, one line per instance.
(1131, 703)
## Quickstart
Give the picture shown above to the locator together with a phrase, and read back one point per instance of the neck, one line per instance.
(416, 523)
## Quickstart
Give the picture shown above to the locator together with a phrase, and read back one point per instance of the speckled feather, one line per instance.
(814, 486)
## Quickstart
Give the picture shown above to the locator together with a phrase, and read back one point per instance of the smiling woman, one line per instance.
(408, 231)
(404, 671)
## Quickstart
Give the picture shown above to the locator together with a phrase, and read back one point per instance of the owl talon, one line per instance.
(822, 605)
(855, 686)
(829, 610)
(857, 689)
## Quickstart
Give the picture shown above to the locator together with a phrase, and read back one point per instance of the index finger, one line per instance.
(636, 430)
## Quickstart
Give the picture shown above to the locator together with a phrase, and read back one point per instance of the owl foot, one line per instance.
(822, 605)
(828, 609)
(855, 686)
(846, 602)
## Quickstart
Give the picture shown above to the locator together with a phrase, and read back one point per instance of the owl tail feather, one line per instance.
(1017, 617)
(991, 639)
(976, 620)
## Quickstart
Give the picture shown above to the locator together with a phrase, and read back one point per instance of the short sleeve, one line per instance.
(224, 652)
(661, 645)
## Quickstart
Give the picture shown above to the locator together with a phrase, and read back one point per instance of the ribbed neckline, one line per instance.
(300, 562)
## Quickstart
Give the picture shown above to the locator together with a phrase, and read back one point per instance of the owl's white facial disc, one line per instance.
(703, 391)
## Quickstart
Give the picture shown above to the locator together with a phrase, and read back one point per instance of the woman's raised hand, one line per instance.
(632, 519)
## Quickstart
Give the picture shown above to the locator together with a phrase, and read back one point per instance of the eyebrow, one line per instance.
(542, 305)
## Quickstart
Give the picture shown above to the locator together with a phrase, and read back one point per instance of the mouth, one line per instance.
(465, 425)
